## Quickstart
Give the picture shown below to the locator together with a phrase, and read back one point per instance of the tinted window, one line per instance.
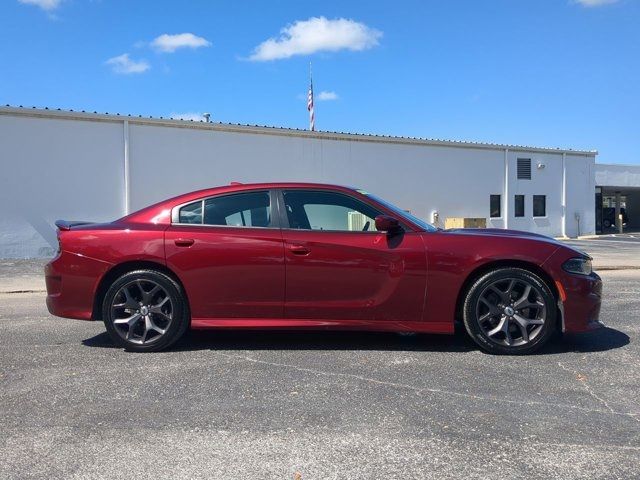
(519, 210)
(251, 209)
(191, 213)
(316, 210)
(539, 206)
(494, 206)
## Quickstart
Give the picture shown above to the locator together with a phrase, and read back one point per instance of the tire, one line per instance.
(510, 311)
(145, 311)
(606, 223)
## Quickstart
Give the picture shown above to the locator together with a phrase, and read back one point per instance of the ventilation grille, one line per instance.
(524, 169)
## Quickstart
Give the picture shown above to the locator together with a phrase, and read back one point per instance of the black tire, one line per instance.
(606, 223)
(498, 344)
(176, 320)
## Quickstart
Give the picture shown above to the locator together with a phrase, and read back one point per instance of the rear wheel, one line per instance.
(145, 311)
(510, 311)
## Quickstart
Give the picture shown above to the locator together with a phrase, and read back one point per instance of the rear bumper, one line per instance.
(72, 281)
(582, 304)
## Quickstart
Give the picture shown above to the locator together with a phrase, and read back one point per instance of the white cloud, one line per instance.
(196, 117)
(48, 5)
(324, 95)
(124, 64)
(170, 43)
(595, 3)
(317, 34)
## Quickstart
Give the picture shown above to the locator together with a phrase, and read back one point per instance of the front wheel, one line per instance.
(510, 311)
(145, 311)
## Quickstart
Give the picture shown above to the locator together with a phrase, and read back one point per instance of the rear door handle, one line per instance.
(184, 242)
(299, 250)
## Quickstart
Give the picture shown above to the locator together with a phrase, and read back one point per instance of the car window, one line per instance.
(191, 213)
(251, 209)
(319, 210)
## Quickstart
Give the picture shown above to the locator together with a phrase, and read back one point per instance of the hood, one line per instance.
(499, 232)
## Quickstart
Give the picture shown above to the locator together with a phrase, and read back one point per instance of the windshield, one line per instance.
(401, 213)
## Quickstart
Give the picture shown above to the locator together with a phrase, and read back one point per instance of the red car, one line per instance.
(310, 256)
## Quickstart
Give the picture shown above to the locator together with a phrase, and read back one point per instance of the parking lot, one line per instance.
(325, 405)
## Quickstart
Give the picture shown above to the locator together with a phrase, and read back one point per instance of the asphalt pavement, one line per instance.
(254, 405)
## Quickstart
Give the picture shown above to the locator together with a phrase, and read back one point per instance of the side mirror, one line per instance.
(385, 223)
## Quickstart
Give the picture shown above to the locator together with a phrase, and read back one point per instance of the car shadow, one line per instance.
(597, 341)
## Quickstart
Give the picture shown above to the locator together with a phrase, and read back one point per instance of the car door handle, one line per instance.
(299, 250)
(184, 242)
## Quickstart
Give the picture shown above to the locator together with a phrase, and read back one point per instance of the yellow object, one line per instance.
(459, 222)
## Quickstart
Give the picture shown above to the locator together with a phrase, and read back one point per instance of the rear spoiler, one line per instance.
(68, 225)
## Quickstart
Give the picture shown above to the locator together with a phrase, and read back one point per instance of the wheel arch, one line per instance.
(120, 269)
(495, 264)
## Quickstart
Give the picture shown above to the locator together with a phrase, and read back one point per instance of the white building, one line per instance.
(83, 166)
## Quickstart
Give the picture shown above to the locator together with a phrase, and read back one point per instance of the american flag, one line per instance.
(312, 118)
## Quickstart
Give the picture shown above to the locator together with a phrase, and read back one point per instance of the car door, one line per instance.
(339, 268)
(228, 252)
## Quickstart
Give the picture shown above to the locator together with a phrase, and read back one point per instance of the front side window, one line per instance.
(319, 210)
(251, 209)
(539, 205)
(494, 206)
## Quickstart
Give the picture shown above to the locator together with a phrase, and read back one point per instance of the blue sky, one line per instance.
(562, 73)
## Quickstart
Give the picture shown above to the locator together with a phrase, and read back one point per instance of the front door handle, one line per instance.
(184, 242)
(299, 250)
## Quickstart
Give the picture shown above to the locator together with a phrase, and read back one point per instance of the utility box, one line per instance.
(460, 222)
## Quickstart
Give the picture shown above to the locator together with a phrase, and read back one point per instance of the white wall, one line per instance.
(74, 169)
(453, 181)
(55, 169)
(581, 201)
(617, 175)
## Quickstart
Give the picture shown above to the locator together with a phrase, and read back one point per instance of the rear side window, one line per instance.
(251, 209)
(321, 210)
(191, 213)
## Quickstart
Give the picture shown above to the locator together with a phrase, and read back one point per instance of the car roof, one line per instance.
(239, 187)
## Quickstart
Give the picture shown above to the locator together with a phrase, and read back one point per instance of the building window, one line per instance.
(524, 169)
(494, 206)
(519, 210)
(539, 205)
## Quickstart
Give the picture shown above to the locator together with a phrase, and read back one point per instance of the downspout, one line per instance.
(126, 168)
(506, 188)
(564, 195)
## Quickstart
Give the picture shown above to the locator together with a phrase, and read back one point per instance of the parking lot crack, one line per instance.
(587, 388)
(437, 391)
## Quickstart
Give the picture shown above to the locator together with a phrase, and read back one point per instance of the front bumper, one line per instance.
(581, 307)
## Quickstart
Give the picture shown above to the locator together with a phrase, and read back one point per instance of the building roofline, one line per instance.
(268, 130)
(624, 165)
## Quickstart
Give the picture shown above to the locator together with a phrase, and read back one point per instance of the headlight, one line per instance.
(580, 266)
